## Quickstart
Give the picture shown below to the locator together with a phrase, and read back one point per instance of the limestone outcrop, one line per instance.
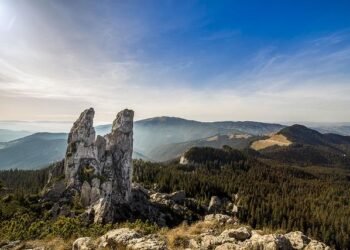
(123, 238)
(96, 175)
(235, 236)
(214, 232)
(96, 171)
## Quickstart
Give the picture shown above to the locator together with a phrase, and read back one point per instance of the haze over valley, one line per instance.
(155, 139)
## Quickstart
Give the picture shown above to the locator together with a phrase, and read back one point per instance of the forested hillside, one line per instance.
(271, 195)
(312, 199)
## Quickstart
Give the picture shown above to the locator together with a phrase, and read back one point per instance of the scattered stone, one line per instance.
(316, 245)
(122, 238)
(227, 246)
(297, 239)
(11, 244)
(240, 234)
(178, 196)
(221, 218)
(84, 243)
(214, 204)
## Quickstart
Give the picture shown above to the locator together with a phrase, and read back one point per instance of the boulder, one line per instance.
(240, 234)
(297, 239)
(227, 246)
(120, 236)
(130, 239)
(316, 245)
(266, 242)
(209, 241)
(178, 196)
(193, 244)
(11, 244)
(221, 218)
(84, 243)
(148, 242)
(214, 204)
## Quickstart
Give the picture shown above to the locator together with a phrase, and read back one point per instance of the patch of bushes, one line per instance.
(145, 227)
(27, 227)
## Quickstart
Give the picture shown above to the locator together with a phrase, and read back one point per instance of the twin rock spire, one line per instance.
(99, 170)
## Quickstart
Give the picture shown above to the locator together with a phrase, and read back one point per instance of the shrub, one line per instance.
(145, 227)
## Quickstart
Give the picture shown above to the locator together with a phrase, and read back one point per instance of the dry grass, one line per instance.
(178, 238)
(51, 244)
(279, 140)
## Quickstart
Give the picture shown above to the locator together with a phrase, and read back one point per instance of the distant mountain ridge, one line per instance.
(33, 151)
(153, 133)
(40, 149)
(164, 138)
(10, 135)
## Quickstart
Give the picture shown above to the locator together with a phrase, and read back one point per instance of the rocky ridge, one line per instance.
(216, 231)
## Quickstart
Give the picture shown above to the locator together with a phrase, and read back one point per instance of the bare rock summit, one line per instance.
(97, 171)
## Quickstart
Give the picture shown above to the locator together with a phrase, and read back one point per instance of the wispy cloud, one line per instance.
(49, 67)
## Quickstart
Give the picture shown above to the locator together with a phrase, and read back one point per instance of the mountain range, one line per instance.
(155, 139)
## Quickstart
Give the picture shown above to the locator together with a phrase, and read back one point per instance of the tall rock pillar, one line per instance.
(120, 146)
(81, 150)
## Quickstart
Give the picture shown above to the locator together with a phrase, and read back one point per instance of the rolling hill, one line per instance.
(173, 150)
(311, 147)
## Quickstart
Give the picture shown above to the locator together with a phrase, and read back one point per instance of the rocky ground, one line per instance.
(219, 232)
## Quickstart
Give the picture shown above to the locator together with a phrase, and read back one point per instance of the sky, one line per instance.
(272, 61)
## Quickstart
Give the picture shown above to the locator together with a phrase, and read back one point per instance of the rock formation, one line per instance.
(219, 232)
(98, 171)
(122, 238)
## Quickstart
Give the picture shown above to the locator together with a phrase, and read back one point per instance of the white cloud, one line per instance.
(51, 69)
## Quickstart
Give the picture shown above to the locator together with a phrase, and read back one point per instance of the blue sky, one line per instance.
(206, 60)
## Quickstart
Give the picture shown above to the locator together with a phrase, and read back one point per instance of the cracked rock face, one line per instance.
(99, 169)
